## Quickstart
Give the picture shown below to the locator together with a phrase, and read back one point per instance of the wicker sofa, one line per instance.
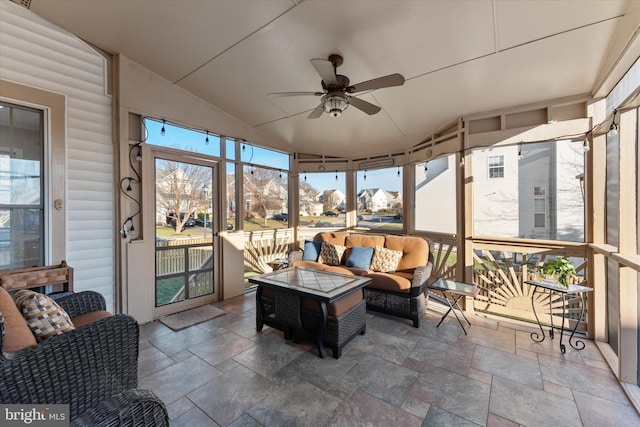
(399, 293)
(93, 368)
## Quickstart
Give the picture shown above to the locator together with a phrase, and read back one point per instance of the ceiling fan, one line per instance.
(337, 92)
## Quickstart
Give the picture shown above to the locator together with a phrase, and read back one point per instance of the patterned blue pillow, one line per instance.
(360, 257)
(311, 250)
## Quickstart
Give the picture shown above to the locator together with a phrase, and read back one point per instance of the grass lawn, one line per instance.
(167, 289)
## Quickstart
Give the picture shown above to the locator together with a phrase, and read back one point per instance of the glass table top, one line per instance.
(311, 281)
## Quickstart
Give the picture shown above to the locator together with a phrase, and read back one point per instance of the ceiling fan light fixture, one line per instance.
(335, 104)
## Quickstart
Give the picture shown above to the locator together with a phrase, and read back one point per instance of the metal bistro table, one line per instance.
(453, 292)
(555, 287)
(291, 285)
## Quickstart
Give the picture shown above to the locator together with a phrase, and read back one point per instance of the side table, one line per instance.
(555, 287)
(278, 264)
(453, 292)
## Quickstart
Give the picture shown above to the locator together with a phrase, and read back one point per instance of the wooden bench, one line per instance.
(36, 277)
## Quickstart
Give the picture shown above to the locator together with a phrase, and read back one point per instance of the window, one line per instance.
(496, 167)
(435, 195)
(22, 210)
(379, 199)
(322, 203)
(539, 207)
(540, 197)
(265, 196)
(165, 134)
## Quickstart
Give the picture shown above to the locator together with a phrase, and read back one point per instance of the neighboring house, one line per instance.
(333, 199)
(375, 199)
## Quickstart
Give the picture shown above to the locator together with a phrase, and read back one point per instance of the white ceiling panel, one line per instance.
(525, 20)
(459, 57)
(171, 38)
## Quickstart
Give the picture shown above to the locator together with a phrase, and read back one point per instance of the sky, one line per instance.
(386, 179)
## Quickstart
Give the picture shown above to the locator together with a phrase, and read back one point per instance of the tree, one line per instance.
(180, 189)
(308, 196)
(268, 191)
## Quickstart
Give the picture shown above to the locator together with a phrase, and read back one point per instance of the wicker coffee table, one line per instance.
(286, 312)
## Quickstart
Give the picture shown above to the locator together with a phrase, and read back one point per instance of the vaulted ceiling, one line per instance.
(458, 57)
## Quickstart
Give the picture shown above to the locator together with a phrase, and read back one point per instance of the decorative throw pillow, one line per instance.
(43, 315)
(311, 250)
(332, 254)
(385, 260)
(360, 257)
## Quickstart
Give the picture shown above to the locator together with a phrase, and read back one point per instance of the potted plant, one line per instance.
(560, 269)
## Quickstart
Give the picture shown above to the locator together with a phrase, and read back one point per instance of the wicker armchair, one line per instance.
(93, 368)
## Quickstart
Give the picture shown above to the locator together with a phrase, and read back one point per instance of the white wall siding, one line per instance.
(36, 53)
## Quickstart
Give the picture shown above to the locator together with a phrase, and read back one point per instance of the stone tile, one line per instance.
(143, 345)
(442, 355)
(531, 406)
(507, 365)
(413, 364)
(152, 360)
(363, 409)
(392, 348)
(381, 378)
(153, 330)
(583, 378)
(227, 365)
(526, 353)
(437, 417)
(342, 390)
(324, 373)
(244, 326)
(297, 403)
(496, 421)
(239, 304)
(268, 356)
(175, 381)
(228, 396)
(416, 407)
(446, 332)
(481, 376)
(179, 407)
(491, 338)
(245, 421)
(193, 417)
(175, 342)
(558, 390)
(182, 355)
(598, 412)
(219, 322)
(455, 393)
(549, 347)
(222, 347)
(596, 364)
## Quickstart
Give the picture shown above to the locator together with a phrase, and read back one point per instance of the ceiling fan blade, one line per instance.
(326, 71)
(295, 93)
(379, 83)
(365, 106)
(316, 113)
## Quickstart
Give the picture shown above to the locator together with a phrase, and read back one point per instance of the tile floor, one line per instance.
(223, 372)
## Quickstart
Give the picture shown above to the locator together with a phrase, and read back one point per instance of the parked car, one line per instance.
(360, 218)
(281, 217)
(331, 213)
(189, 223)
(202, 222)
(323, 224)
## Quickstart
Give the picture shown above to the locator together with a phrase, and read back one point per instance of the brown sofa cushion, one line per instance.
(336, 308)
(389, 282)
(415, 251)
(364, 240)
(92, 316)
(17, 334)
(335, 237)
(309, 264)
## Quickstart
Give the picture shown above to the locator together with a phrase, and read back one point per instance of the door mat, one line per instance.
(192, 317)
